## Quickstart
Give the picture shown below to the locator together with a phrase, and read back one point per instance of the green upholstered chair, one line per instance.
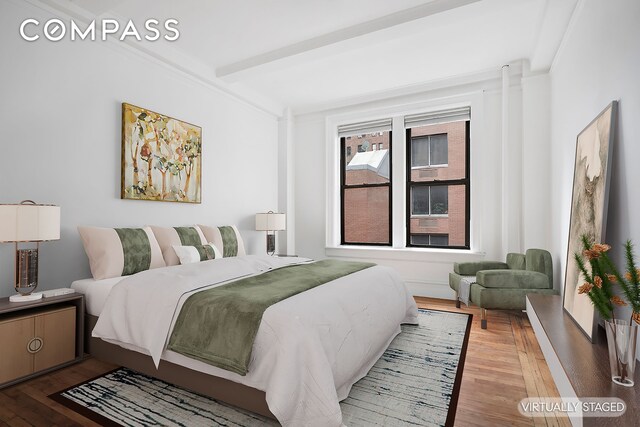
(504, 285)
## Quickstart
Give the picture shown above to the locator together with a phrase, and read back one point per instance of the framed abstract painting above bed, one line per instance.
(161, 157)
(589, 208)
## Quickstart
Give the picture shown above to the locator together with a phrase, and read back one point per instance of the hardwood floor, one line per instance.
(503, 365)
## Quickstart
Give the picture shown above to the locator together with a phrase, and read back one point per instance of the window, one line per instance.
(438, 181)
(429, 151)
(365, 186)
(435, 191)
(430, 200)
(430, 239)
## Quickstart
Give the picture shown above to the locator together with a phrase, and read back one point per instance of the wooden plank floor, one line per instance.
(504, 364)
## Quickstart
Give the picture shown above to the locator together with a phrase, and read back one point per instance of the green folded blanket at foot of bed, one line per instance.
(218, 325)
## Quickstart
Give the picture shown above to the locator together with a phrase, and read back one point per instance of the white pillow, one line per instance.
(115, 252)
(197, 253)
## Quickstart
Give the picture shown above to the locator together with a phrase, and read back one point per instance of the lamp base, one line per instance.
(25, 298)
(271, 244)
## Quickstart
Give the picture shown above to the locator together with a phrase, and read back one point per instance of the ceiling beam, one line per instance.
(231, 71)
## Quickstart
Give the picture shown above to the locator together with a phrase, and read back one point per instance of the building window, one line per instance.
(429, 151)
(429, 200)
(380, 146)
(374, 147)
(366, 190)
(438, 197)
(439, 240)
(349, 152)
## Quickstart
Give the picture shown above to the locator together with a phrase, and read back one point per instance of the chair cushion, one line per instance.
(504, 299)
(513, 279)
(516, 261)
(540, 260)
(472, 268)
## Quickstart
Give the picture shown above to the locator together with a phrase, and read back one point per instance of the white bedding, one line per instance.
(310, 348)
(96, 292)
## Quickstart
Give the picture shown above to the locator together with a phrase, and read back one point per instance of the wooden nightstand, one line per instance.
(40, 336)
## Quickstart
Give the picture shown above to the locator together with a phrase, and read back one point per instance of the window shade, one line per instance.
(365, 127)
(435, 117)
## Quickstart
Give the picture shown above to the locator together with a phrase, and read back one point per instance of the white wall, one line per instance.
(599, 62)
(426, 271)
(60, 109)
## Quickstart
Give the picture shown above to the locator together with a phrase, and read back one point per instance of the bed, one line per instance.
(308, 351)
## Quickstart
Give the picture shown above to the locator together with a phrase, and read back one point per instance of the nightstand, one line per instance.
(40, 336)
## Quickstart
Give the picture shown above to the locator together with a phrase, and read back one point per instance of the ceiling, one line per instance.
(313, 54)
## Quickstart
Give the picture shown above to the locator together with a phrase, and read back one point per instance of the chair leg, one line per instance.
(483, 318)
(457, 300)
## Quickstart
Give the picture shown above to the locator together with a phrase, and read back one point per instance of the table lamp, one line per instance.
(271, 222)
(28, 222)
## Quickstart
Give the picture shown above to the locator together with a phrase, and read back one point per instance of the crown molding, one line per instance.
(488, 80)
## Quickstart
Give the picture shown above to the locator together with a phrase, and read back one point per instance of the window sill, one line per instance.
(415, 168)
(405, 254)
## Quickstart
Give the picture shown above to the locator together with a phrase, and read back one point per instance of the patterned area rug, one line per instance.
(415, 382)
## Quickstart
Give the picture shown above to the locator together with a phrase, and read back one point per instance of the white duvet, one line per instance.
(310, 348)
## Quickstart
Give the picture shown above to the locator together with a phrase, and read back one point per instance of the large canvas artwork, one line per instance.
(161, 157)
(588, 208)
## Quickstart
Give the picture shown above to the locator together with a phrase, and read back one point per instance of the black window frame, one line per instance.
(465, 181)
(344, 186)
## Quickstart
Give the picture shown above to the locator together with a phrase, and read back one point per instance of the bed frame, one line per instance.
(227, 391)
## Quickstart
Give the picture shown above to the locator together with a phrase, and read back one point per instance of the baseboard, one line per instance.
(430, 289)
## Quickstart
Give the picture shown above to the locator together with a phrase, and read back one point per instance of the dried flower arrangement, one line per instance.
(603, 274)
(600, 278)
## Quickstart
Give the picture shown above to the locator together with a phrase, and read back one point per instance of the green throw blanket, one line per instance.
(218, 326)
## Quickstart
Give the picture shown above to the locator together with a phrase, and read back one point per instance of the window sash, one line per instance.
(410, 184)
(344, 186)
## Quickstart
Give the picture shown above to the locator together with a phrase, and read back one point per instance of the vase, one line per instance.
(621, 339)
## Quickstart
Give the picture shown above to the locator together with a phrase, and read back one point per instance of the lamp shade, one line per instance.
(270, 221)
(29, 223)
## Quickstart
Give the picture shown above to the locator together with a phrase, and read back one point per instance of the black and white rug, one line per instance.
(415, 382)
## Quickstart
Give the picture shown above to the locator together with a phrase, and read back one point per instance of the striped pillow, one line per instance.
(179, 236)
(115, 252)
(196, 253)
(226, 238)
